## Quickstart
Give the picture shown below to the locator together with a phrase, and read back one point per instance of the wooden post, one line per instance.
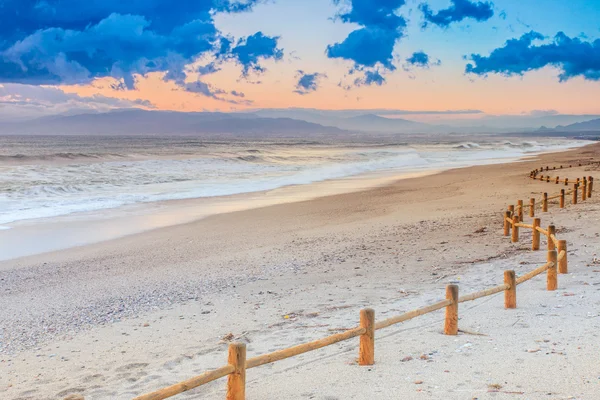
(511, 208)
(510, 294)
(236, 382)
(532, 207)
(566, 181)
(506, 223)
(575, 187)
(551, 231)
(515, 229)
(366, 351)
(563, 268)
(562, 198)
(584, 189)
(520, 206)
(451, 322)
(551, 278)
(590, 184)
(535, 234)
(545, 203)
(557, 179)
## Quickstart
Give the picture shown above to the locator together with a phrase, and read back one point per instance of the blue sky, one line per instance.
(232, 54)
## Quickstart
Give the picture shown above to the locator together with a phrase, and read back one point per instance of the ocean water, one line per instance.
(43, 177)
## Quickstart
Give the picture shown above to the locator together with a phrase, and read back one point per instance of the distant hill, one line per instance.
(593, 125)
(142, 122)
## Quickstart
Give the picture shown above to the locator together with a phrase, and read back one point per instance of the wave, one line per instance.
(60, 156)
(468, 145)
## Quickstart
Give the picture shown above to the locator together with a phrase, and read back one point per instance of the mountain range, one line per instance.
(284, 122)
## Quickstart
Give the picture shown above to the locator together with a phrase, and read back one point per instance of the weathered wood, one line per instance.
(551, 277)
(515, 229)
(551, 232)
(412, 314)
(532, 207)
(520, 207)
(510, 293)
(482, 293)
(562, 198)
(566, 181)
(236, 382)
(511, 208)
(303, 348)
(533, 273)
(562, 262)
(506, 223)
(366, 351)
(535, 234)
(590, 184)
(545, 203)
(557, 180)
(451, 320)
(189, 384)
(584, 189)
(575, 194)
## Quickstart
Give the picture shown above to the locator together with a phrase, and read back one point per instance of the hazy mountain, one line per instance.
(593, 125)
(142, 122)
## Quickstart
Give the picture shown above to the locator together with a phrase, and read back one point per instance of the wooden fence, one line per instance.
(556, 263)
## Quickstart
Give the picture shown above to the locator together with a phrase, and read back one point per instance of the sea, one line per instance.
(47, 177)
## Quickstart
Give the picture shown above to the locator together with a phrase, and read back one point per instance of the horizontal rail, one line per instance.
(534, 273)
(542, 231)
(184, 386)
(524, 225)
(484, 293)
(561, 255)
(554, 239)
(303, 348)
(412, 314)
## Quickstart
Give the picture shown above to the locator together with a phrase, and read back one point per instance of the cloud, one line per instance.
(459, 10)
(372, 45)
(19, 101)
(572, 56)
(421, 59)
(543, 113)
(73, 42)
(249, 51)
(307, 83)
(208, 90)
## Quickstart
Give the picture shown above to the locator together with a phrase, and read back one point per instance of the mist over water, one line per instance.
(53, 176)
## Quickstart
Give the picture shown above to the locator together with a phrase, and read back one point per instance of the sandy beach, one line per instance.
(124, 317)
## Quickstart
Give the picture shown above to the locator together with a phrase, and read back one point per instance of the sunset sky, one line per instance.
(506, 57)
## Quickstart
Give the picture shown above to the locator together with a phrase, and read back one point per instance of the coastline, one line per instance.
(84, 228)
(241, 272)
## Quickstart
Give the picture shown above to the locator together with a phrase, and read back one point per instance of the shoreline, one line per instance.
(86, 228)
(123, 317)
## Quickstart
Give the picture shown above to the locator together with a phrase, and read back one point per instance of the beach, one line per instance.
(123, 317)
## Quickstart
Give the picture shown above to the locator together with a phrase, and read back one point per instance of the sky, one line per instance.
(505, 57)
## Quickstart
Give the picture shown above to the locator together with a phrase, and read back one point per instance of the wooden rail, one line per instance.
(556, 263)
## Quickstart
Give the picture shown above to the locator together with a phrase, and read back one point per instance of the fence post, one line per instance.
(535, 234)
(562, 198)
(511, 208)
(575, 187)
(551, 231)
(545, 202)
(520, 206)
(590, 183)
(548, 179)
(506, 223)
(236, 382)
(366, 352)
(562, 264)
(515, 229)
(557, 179)
(566, 181)
(532, 207)
(551, 279)
(510, 294)
(451, 322)
(584, 189)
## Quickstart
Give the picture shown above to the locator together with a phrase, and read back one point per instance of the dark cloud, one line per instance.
(248, 52)
(207, 90)
(371, 45)
(459, 10)
(73, 41)
(421, 59)
(572, 56)
(370, 78)
(307, 83)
